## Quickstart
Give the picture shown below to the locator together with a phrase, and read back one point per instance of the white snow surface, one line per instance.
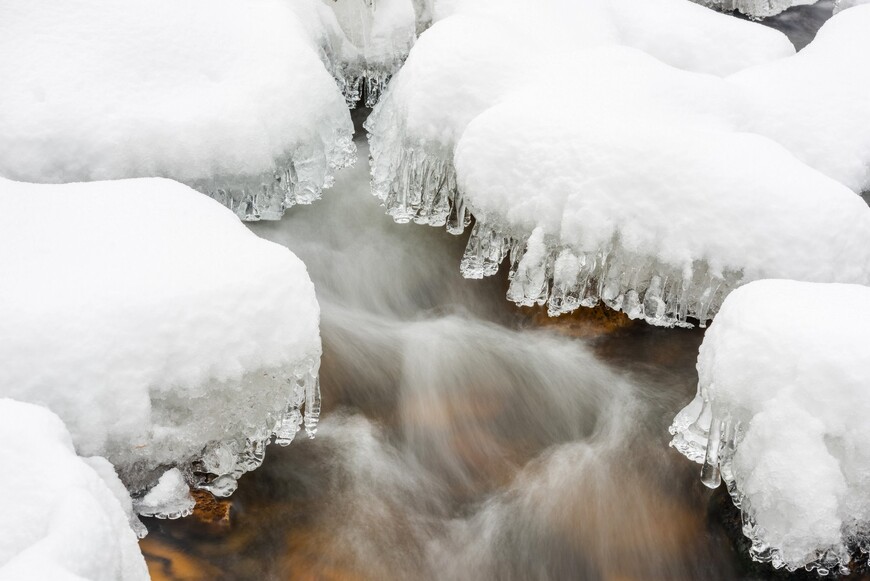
(61, 517)
(222, 94)
(785, 368)
(681, 163)
(151, 320)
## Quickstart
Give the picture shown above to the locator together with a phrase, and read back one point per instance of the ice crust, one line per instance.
(230, 97)
(65, 518)
(781, 415)
(756, 9)
(163, 339)
(642, 166)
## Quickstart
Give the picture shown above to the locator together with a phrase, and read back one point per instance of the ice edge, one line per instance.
(416, 185)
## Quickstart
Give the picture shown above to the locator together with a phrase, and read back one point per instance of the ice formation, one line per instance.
(366, 41)
(590, 149)
(781, 416)
(65, 517)
(158, 327)
(755, 9)
(230, 97)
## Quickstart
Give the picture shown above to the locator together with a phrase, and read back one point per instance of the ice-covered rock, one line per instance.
(781, 417)
(160, 329)
(230, 97)
(591, 149)
(65, 518)
(755, 9)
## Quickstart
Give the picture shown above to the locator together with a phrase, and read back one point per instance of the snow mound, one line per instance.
(591, 150)
(162, 338)
(755, 9)
(229, 97)
(781, 414)
(62, 518)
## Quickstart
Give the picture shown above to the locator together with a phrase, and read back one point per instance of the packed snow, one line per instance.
(157, 326)
(781, 413)
(232, 98)
(65, 518)
(650, 166)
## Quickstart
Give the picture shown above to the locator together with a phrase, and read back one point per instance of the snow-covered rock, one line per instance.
(621, 152)
(754, 8)
(781, 414)
(815, 103)
(65, 518)
(160, 329)
(230, 97)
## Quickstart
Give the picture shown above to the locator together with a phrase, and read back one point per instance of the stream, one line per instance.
(462, 437)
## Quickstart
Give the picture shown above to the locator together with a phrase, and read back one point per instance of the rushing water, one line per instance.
(463, 438)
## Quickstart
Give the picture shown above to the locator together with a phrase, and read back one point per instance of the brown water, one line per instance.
(463, 438)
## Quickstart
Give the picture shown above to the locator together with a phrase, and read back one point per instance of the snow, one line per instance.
(61, 517)
(230, 97)
(781, 413)
(161, 338)
(835, 139)
(656, 172)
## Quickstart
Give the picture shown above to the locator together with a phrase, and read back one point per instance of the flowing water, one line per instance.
(463, 438)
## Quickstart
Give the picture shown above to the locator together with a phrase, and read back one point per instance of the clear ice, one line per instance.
(220, 464)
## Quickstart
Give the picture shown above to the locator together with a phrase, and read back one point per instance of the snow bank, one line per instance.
(781, 413)
(755, 9)
(229, 97)
(613, 162)
(61, 517)
(162, 338)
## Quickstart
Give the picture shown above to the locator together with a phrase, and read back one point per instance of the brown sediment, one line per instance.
(583, 322)
(211, 513)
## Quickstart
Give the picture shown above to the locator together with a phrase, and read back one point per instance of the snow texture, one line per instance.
(230, 97)
(613, 162)
(781, 414)
(162, 338)
(65, 518)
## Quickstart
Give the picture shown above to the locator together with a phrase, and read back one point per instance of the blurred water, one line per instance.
(463, 439)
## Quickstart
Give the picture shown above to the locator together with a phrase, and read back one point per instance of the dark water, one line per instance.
(464, 438)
